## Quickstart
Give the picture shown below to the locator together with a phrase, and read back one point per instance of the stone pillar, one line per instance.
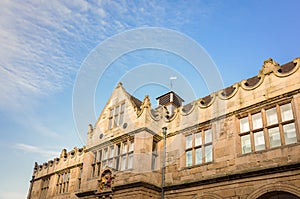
(142, 151)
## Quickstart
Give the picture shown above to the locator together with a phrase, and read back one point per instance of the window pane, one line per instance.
(95, 157)
(111, 154)
(123, 107)
(121, 118)
(244, 124)
(188, 141)
(286, 112)
(116, 118)
(123, 162)
(271, 116)
(117, 160)
(198, 139)
(105, 155)
(130, 161)
(199, 156)
(100, 155)
(259, 141)
(274, 136)
(110, 123)
(257, 121)
(118, 149)
(117, 110)
(188, 157)
(111, 112)
(153, 165)
(290, 133)
(208, 136)
(208, 153)
(110, 163)
(131, 146)
(246, 144)
(124, 149)
(104, 164)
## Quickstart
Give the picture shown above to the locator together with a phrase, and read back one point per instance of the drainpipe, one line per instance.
(164, 131)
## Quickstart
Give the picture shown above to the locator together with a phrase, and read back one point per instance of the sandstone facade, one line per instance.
(241, 142)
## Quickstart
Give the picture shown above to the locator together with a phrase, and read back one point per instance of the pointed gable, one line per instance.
(117, 114)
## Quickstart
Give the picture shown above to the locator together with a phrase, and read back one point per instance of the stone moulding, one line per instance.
(207, 101)
(189, 109)
(269, 67)
(275, 187)
(228, 92)
(296, 63)
(252, 83)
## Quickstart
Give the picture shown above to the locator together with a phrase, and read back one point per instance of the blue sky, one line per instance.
(45, 43)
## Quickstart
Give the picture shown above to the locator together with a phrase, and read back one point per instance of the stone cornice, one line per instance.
(236, 176)
(125, 136)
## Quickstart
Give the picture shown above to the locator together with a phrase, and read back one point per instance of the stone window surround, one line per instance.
(203, 145)
(265, 127)
(63, 181)
(116, 115)
(100, 162)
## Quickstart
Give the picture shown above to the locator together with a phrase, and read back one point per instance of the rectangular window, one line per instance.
(279, 123)
(198, 152)
(246, 144)
(63, 182)
(116, 116)
(290, 136)
(124, 148)
(119, 156)
(188, 141)
(111, 151)
(257, 121)
(123, 162)
(274, 136)
(130, 161)
(111, 113)
(188, 158)
(122, 114)
(259, 141)
(154, 155)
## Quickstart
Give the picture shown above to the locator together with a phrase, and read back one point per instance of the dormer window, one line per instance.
(116, 116)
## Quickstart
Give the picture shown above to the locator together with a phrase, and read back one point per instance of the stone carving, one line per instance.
(269, 66)
(90, 129)
(63, 153)
(106, 180)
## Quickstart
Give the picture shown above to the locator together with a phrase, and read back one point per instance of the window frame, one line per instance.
(191, 150)
(116, 115)
(268, 127)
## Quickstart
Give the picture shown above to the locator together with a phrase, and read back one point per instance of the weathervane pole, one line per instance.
(171, 83)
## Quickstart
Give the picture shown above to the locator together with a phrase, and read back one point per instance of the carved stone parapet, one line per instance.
(269, 66)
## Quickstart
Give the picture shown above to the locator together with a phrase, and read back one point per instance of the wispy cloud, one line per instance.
(45, 153)
(42, 43)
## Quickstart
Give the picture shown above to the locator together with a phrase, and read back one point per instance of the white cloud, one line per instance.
(45, 153)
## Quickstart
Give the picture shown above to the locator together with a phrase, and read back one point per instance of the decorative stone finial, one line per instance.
(63, 153)
(90, 129)
(146, 102)
(269, 66)
(119, 85)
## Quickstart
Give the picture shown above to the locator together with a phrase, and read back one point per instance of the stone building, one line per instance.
(241, 142)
